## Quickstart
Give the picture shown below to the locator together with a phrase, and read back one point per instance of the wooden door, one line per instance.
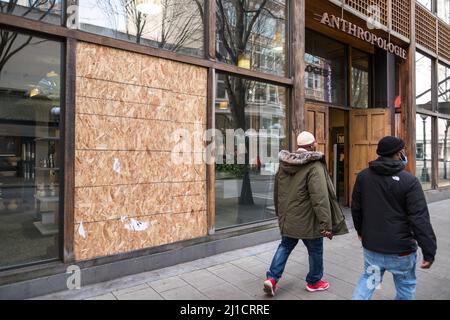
(366, 128)
(317, 124)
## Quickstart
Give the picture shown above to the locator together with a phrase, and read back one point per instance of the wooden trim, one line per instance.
(210, 29)
(252, 75)
(210, 168)
(408, 93)
(68, 131)
(297, 17)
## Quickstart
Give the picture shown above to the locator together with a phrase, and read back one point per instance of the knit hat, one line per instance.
(305, 139)
(388, 146)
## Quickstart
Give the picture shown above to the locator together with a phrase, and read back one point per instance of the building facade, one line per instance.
(108, 110)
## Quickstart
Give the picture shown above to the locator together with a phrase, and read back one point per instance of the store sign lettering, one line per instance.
(341, 24)
(316, 70)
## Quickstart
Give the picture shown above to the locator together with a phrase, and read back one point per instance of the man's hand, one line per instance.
(426, 264)
(327, 234)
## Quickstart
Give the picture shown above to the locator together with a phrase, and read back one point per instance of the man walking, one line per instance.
(390, 214)
(307, 209)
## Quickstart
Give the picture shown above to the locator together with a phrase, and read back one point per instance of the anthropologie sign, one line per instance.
(346, 26)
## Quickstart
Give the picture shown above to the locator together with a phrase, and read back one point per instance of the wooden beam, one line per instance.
(210, 29)
(297, 64)
(408, 95)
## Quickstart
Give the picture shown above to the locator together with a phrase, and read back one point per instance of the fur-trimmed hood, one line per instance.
(292, 161)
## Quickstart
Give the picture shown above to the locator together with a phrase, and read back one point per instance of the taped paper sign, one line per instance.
(135, 225)
(81, 230)
(116, 165)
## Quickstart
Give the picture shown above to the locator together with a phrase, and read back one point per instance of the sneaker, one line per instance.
(270, 286)
(319, 286)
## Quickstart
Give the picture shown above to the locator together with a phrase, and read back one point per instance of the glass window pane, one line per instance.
(424, 150)
(443, 10)
(360, 79)
(444, 89)
(426, 3)
(43, 10)
(252, 122)
(325, 75)
(174, 25)
(252, 34)
(444, 152)
(423, 82)
(29, 150)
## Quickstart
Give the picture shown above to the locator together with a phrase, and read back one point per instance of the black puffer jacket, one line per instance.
(390, 212)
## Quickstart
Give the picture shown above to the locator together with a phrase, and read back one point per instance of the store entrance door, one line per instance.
(338, 151)
(366, 128)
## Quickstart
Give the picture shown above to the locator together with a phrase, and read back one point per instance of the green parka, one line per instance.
(304, 196)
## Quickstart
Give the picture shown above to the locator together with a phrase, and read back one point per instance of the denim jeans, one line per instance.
(403, 269)
(315, 254)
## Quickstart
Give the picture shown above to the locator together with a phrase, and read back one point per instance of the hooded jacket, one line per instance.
(390, 212)
(304, 196)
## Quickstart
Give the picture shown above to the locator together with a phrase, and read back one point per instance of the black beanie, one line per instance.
(388, 146)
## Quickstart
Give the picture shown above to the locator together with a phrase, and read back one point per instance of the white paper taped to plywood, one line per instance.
(136, 225)
(116, 165)
(81, 230)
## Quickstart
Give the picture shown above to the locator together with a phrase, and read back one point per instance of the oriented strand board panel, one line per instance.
(131, 112)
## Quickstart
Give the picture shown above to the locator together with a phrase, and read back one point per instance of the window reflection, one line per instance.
(426, 3)
(325, 75)
(252, 119)
(443, 10)
(174, 25)
(29, 149)
(424, 150)
(42, 10)
(444, 152)
(252, 34)
(360, 79)
(444, 89)
(423, 81)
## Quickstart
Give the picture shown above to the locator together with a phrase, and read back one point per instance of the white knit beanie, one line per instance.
(305, 139)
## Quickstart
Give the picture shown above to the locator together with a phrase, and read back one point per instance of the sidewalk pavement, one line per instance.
(238, 275)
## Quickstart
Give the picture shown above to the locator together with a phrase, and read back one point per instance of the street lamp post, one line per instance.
(425, 174)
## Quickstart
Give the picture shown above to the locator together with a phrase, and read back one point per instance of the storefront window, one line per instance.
(424, 150)
(252, 122)
(30, 155)
(444, 152)
(325, 74)
(360, 79)
(444, 89)
(423, 81)
(252, 34)
(174, 25)
(42, 10)
(443, 10)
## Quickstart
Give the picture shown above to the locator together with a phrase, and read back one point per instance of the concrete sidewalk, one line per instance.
(238, 275)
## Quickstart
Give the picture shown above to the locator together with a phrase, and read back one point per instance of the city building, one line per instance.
(98, 97)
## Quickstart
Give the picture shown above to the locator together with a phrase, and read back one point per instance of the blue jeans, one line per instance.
(403, 269)
(315, 253)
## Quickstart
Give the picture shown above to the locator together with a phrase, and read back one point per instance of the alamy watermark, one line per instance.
(74, 280)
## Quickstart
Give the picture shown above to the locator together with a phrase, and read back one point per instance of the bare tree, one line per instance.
(176, 26)
(9, 43)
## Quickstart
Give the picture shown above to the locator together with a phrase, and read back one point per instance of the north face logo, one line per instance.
(396, 178)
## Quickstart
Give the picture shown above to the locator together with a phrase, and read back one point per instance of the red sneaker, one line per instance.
(319, 286)
(270, 286)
